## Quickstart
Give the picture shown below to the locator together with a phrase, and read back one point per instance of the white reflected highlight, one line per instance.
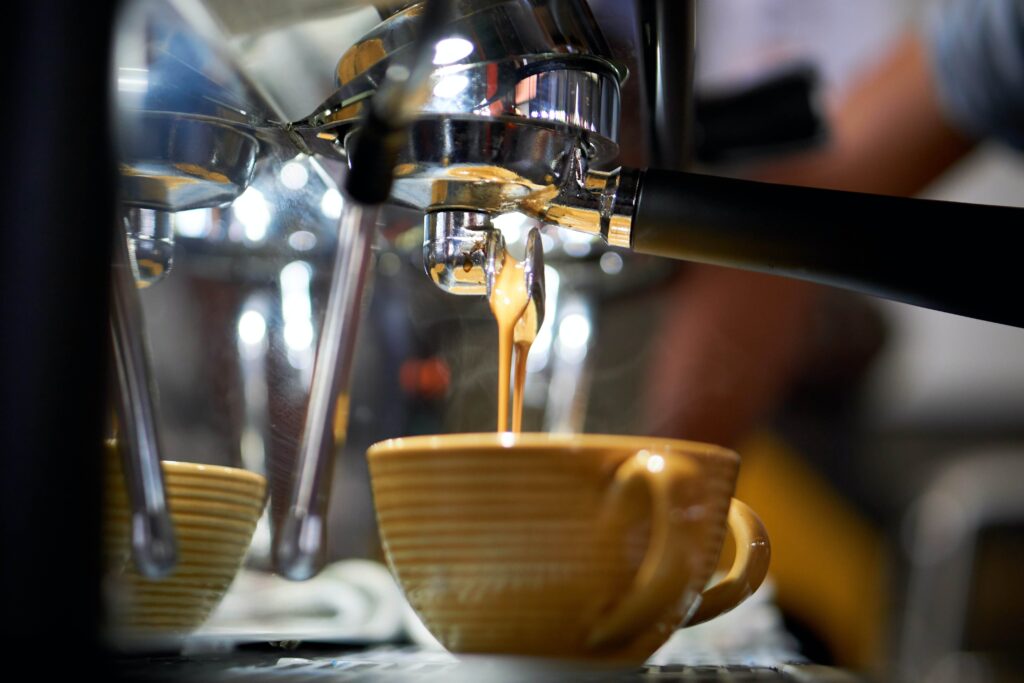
(611, 263)
(298, 334)
(331, 204)
(451, 50)
(253, 450)
(297, 313)
(294, 175)
(131, 79)
(573, 337)
(655, 464)
(513, 226)
(540, 352)
(252, 328)
(575, 247)
(389, 264)
(295, 278)
(450, 86)
(195, 223)
(253, 212)
(575, 237)
(302, 240)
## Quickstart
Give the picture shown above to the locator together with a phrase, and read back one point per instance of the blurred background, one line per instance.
(885, 458)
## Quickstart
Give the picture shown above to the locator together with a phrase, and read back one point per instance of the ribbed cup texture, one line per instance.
(515, 550)
(214, 510)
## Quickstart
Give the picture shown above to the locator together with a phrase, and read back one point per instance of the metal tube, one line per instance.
(299, 541)
(152, 531)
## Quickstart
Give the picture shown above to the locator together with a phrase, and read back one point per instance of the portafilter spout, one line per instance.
(460, 249)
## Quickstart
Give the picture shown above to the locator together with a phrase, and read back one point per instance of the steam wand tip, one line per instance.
(298, 547)
(153, 545)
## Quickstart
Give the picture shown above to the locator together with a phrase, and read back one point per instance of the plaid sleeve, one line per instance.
(977, 51)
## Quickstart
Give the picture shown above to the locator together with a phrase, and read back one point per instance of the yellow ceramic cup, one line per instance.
(563, 545)
(214, 510)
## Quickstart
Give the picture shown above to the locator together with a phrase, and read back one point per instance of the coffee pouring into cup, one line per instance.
(473, 109)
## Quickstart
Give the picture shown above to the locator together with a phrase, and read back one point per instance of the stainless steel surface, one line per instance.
(373, 148)
(177, 162)
(560, 91)
(150, 236)
(508, 111)
(299, 542)
(495, 130)
(480, 32)
(457, 248)
(152, 532)
(171, 56)
(406, 85)
(600, 204)
(522, 103)
(512, 112)
(589, 201)
(187, 118)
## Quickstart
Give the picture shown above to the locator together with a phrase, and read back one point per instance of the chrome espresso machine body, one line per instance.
(464, 110)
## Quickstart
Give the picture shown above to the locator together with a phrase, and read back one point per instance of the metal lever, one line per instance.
(299, 541)
(152, 532)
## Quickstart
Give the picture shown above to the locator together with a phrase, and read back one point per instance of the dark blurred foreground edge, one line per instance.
(58, 207)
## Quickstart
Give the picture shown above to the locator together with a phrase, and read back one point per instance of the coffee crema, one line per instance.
(517, 329)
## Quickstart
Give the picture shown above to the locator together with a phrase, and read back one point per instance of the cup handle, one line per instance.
(663, 573)
(753, 553)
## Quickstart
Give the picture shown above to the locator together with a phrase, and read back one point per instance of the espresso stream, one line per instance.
(517, 328)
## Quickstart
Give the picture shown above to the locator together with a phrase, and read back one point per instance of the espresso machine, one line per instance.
(464, 111)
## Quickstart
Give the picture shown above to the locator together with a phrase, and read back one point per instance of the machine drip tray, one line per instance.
(417, 664)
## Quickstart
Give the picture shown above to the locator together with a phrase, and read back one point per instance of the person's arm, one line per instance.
(724, 351)
(976, 49)
(730, 342)
(889, 135)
